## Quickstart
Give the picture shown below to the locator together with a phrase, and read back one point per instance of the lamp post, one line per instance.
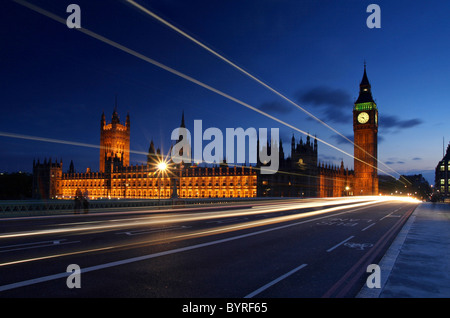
(161, 168)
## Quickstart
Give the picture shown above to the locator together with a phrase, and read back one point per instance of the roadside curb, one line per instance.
(388, 261)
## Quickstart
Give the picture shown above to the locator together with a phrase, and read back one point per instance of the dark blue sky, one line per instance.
(57, 81)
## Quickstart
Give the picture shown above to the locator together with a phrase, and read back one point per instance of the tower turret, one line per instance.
(114, 140)
(292, 145)
(102, 120)
(365, 128)
(151, 157)
(365, 90)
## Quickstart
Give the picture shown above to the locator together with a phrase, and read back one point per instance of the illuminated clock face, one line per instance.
(363, 118)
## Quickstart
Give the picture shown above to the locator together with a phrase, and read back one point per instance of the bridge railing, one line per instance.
(51, 207)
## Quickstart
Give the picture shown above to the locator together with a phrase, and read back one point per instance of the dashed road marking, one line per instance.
(339, 244)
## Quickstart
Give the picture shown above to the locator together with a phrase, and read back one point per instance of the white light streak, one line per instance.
(191, 217)
(59, 141)
(184, 76)
(348, 205)
(240, 69)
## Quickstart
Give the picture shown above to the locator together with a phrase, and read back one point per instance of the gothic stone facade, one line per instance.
(299, 175)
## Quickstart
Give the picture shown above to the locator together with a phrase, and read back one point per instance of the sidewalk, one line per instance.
(417, 264)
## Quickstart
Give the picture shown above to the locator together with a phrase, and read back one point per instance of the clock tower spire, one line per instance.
(365, 90)
(365, 129)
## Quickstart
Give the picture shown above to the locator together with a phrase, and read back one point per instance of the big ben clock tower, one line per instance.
(365, 129)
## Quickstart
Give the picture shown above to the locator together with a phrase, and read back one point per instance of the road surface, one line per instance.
(281, 249)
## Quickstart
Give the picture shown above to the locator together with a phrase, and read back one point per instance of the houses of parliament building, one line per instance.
(299, 175)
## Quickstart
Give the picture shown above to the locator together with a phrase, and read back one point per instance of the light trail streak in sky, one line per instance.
(184, 76)
(60, 141)
(240, 69)
(81, 144)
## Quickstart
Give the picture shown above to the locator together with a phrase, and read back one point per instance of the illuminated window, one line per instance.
(442, 168)
(442, 181)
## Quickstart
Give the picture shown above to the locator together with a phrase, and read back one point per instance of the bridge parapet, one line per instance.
(53, 207)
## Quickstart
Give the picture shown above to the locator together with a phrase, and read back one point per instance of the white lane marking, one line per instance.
(368, 227)
(339, 244)
(210, 232)
(386, 216)
(358, 246)
(390, 214)
(259, 290)
(177, 250)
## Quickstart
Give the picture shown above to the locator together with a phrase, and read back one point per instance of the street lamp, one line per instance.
(161, 168)
(164, 166)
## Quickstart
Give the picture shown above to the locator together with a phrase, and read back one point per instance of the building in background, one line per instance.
(118, 179)
(299, 175)
(114, 140)
(365, 130)
(442, 177)
(46, 179)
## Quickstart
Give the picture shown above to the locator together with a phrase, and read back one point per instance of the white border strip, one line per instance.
(259, 290)
(339, 244)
